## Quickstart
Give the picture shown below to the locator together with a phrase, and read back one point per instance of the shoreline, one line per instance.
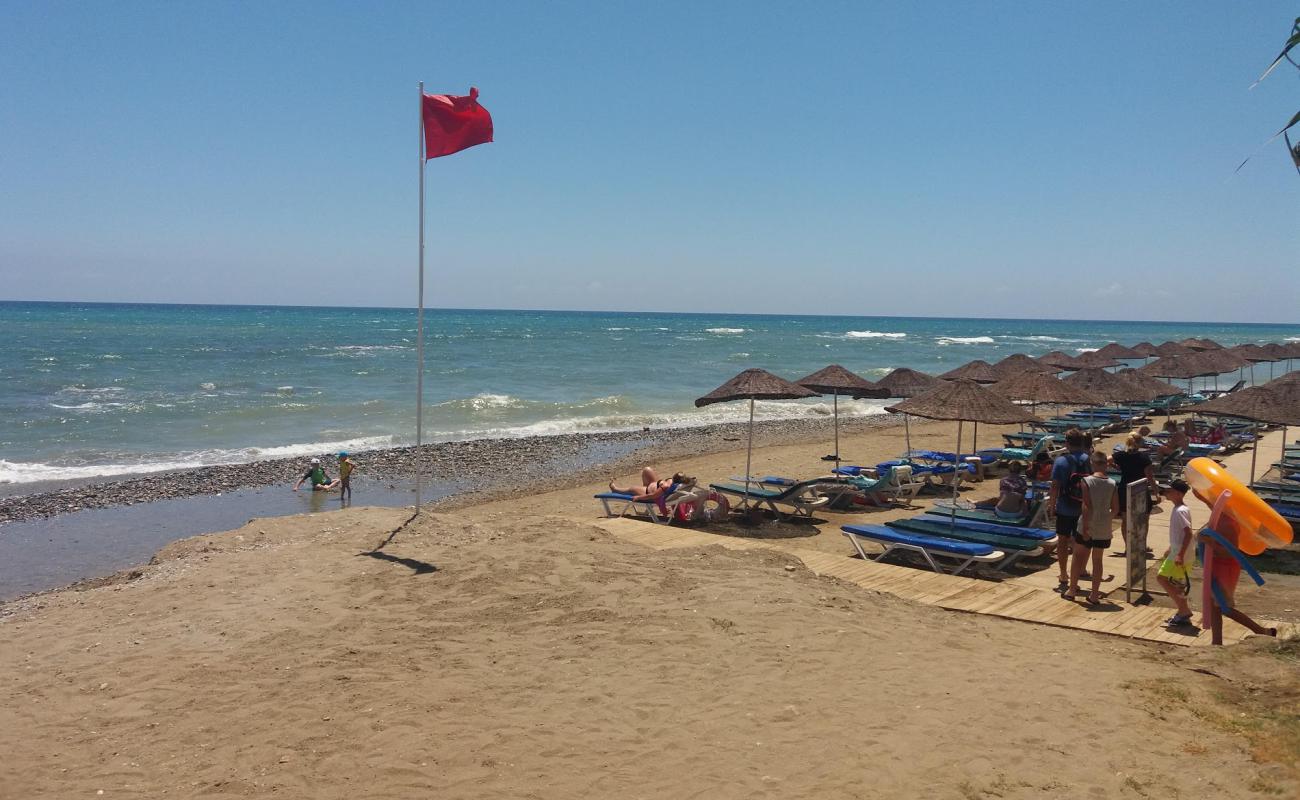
(98, 534)
(474, 466)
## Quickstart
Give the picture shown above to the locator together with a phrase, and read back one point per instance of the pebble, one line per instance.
(470, 467)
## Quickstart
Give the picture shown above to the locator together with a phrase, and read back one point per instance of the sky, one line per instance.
(992, 159)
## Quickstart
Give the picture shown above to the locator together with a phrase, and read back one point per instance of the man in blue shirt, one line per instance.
(1067, 509)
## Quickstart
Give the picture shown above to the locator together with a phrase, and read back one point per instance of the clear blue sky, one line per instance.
(973, 159)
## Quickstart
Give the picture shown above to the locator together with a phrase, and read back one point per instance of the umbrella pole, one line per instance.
(1254, 451)
(1281, 470)
(836, 403)
(749, 453)
(974, 441)
(952, 520)
(907, 432)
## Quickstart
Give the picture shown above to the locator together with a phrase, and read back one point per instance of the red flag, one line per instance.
(452, 123)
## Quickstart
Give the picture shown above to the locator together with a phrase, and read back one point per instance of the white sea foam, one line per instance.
(207, 386)
(32, 472)
(1086, 349)
(1041, 339)
(724, 331)
(709, 415)
(945, 340)
(79, 407)
(91, 389)
(618, 329)
(873, 335)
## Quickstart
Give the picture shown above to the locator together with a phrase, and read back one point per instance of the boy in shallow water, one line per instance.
(320, 482)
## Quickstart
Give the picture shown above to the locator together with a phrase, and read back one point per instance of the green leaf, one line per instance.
(1290, 44)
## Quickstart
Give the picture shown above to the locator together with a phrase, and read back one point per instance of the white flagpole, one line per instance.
(419, 323)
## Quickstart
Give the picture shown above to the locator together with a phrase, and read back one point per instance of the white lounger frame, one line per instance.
(926, 553)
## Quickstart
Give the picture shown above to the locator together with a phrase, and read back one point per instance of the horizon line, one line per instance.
(662, 313)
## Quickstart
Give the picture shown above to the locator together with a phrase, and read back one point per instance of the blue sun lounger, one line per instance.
(1017, 542)
(930, 547)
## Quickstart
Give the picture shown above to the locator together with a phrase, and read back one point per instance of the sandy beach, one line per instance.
(515, 648)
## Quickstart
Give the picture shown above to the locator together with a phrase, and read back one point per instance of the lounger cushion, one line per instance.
(936, 543)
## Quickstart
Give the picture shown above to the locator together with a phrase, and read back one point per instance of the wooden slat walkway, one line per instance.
(958, 593)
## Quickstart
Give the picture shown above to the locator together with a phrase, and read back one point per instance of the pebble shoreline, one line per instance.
(477, 470)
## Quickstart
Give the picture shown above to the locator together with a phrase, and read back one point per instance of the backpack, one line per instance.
(1072, 490)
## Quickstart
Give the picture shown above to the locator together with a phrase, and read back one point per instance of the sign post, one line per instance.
(1138, 518)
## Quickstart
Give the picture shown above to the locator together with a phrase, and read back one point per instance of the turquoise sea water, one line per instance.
(100, 389)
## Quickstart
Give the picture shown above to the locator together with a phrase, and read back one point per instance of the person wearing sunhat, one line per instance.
(1175, 573)
(320, 482)
(345, 475)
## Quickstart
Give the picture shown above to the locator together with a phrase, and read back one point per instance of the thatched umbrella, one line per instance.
(904, 382)
(1253, 354)
(1279, 352)
(1146, 350)
(1109, 386)
(1157, 387)
(1173, 349)
(1018, 363)
(1094, 358)
(1225, 360)
(1276, 402)
(1058, 359)
(963, 401)
(836, 380)
(1116, 350)
(751, 385)
(1039, 387)
(1189, 366)
(978, 371)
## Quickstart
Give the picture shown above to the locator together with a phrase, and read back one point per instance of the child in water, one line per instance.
(320, 482)
(345, 476)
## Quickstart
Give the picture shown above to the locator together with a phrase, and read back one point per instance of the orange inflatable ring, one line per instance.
(1259, 526)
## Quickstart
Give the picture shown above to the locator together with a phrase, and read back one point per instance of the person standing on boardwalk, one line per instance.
(1175, 573)
(1099, 507)
(1134, 465)
(1068, 472)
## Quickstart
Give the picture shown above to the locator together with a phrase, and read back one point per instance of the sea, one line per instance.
(92, 390)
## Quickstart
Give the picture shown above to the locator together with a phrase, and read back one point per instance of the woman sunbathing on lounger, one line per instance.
(652, 487)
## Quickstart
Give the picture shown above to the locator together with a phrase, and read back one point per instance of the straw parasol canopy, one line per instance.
(1039, 387)
(1223, 360)
(978, 371)
(1151, 383)
(1201, 344)
(1276, 402)
(1096, 359)
(1252, 352)
(836, 380)
(964, 401)
(1173, 349)
(904, 382)
(1058, 359)
(1117, 350)
(751, 385)
(1279, 352)
(755, 384)
(1145, 349)
(1018, 363)
(1109, 386)
(1191, 365)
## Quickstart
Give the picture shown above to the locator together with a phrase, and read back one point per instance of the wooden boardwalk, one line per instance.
(1005, 599)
